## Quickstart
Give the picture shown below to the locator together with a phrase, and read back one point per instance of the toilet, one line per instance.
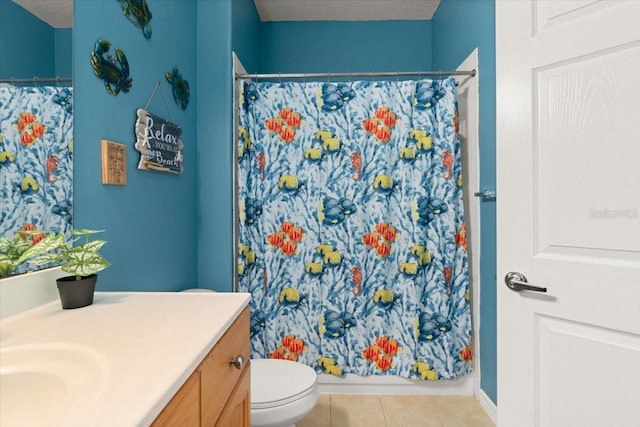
(282, 392)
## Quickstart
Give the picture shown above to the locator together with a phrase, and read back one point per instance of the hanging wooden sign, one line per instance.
(158, 141)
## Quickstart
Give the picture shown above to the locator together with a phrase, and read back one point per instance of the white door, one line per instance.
(568, 182)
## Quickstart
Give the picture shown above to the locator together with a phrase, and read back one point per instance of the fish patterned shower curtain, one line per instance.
(36, 169)
(352, 238)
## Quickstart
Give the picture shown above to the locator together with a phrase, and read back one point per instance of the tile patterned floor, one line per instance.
(350, 410)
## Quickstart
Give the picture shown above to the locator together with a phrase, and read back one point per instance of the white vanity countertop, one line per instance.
(142, 346)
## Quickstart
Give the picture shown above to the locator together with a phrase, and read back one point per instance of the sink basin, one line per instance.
(49, 384)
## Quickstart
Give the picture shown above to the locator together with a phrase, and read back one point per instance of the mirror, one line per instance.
(36, 36)
(36, 133)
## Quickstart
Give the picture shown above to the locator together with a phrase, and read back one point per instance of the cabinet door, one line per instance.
(238, 410)
(184, 408)
(218, 377)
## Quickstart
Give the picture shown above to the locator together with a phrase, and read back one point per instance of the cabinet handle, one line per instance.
(238, 362)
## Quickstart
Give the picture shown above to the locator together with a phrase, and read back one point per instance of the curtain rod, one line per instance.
(38, 80)
(250, 76)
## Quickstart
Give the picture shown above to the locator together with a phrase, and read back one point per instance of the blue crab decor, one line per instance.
(138, 13)
(113, 70)
(180, 87)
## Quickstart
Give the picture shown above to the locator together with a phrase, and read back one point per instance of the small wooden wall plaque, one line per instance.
(114, 163)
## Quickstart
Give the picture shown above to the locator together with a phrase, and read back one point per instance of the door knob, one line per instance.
(237, 362)
(518, 282)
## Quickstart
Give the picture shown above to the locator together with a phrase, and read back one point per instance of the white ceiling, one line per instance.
(345, 10)
(59, 13)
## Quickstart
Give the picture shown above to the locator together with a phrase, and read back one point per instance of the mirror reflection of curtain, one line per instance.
(36, 168)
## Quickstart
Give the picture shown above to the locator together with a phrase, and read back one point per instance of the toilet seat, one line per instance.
(277, 382)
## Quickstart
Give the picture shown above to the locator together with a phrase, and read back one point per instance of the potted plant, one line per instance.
(27, 244)
(82, 261)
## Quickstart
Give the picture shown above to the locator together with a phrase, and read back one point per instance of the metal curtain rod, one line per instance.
(38, 80)
(250, 76)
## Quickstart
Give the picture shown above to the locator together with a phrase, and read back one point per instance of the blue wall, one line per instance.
(63, 52)
(215, 253)
(246, 34)
(459, 26)
(223, 26)
(344, 46)
(151, 222)
(233, 25)
(26, 44)
(167, 232)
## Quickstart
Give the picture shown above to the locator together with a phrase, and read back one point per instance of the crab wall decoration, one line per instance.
(113, 70)
(138, 13)
(180, 87)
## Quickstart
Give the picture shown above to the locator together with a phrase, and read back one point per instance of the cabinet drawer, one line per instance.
(217, 377)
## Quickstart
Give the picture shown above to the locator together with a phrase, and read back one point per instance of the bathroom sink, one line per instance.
(49, 384)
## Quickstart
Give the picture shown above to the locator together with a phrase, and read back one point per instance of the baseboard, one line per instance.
(487, 404)
(390, 385)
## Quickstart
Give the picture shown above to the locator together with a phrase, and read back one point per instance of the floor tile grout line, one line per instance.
(384, 415)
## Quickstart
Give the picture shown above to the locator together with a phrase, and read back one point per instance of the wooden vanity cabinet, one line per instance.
(221, 382)
(184, 407)
(238, 408)
(217, 393)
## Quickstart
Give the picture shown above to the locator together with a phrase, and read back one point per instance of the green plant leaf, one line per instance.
(80, 260)
(14, 248)
(84, 231)
(82, 263)
(49, 243)
(19, 250)
(92, 246)
(5, 244)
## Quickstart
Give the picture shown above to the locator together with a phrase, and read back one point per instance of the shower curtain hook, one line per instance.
(304, 77)
(373, 76)
(397, 76)
(280, 78)
(349, 76)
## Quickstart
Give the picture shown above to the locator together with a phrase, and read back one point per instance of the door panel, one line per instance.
(548, 14)
(585, 116)
(594, 358)
(568, 174)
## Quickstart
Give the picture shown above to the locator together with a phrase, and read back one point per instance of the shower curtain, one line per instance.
(36, 170)
(352, 235)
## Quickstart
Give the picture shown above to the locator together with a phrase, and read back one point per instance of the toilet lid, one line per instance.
(277, 382)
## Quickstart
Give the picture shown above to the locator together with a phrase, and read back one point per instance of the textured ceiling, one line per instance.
(59, 13)
(345, 10)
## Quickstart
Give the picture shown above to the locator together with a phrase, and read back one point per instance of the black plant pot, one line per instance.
(76, 293)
